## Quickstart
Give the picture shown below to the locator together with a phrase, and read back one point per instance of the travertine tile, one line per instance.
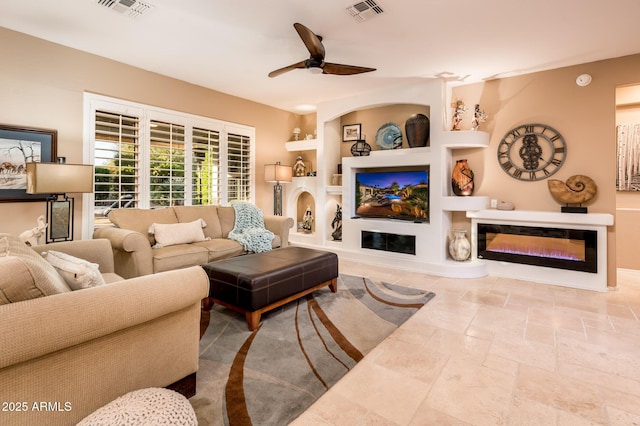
(495, 351)
(564, 393)
(474, 394)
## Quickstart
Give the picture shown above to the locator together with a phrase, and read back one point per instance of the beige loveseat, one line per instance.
(64, 354)
(133, 245)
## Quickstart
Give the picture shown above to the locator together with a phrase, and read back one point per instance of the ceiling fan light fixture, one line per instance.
(315, 70)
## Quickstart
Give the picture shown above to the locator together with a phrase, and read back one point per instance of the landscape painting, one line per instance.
(19, 146)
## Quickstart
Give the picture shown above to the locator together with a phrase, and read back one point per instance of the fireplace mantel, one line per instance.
(596, 219)
(574, 221)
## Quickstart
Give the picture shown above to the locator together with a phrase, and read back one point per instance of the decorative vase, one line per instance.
(459, 246)
(417, 130)
(360, 148)
(462, 179)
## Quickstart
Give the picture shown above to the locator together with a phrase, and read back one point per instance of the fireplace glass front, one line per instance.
(572, 249)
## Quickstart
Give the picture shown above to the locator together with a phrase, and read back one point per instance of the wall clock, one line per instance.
(532, 152)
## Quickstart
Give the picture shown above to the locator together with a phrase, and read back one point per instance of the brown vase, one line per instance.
(417, 130)
(462, 179)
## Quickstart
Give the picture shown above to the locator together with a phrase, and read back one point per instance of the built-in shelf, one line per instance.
(459, 203)
(465, 139)
(334, 189)
(303, 145)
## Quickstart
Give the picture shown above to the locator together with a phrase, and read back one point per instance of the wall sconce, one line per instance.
(56, 179)
(277, 173)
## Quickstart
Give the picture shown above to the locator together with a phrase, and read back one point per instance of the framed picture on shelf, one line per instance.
(19, 146)
(351, 132)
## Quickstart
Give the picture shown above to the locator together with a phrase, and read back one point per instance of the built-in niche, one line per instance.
(305, 213)
(372, 119)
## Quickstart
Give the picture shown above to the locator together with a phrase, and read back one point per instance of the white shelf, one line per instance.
(334, 189)
(465, 139)
(459, 203)
(303, 145)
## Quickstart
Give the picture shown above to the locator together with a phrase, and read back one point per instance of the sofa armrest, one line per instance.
(279, 225)
(96, 251)
(132, 253)
(53, 323)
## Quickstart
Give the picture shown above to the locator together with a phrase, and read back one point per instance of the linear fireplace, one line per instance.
(567, 249)
(573, 249)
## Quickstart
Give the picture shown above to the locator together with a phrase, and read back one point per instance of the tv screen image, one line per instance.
(400, 195)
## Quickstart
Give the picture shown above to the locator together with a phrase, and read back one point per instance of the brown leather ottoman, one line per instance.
(257, 283)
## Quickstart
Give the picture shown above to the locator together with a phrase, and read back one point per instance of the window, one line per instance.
(152, 158)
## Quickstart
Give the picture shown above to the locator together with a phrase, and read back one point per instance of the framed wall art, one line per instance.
(351, 132)
(628, 147)
(19, 146)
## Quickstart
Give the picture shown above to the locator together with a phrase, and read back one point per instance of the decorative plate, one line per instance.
(389, 136)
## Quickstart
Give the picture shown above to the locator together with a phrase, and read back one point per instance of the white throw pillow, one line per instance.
(77, 273)
(168, 234)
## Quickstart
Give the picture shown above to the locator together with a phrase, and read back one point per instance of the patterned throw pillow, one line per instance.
(77, 273)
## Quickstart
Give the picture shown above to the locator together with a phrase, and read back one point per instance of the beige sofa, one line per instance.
(64, 354)
(133, 245)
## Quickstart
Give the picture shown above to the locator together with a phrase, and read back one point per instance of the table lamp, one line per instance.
(57, 180)
(277, 173)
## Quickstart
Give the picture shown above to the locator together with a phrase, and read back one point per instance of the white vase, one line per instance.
(459, 246)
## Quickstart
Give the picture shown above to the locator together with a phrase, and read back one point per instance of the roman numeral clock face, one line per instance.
(532, 152)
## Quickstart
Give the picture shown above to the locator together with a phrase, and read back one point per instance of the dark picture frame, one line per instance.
(351, 132)
(19, 145)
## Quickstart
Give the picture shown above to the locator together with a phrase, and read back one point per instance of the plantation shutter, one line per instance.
(166, 164)
(205, 167)
(238, 167)
(116, 162)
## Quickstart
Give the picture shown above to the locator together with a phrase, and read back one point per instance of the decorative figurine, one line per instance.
(307, 220)
(299, 168)
(479, 117)
(457, 114)
(296, 133)
(31, 237)
(336, 224)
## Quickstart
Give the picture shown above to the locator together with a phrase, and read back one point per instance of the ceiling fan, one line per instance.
(316, 60)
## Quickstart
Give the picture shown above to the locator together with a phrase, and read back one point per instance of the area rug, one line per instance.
(270, 376)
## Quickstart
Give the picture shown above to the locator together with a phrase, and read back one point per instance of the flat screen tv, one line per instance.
(393, 194)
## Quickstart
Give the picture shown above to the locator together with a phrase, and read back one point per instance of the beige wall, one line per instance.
(42, 85)
(585, 116)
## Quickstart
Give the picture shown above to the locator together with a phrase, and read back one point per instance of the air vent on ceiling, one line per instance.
(365, 10)
(131, 8)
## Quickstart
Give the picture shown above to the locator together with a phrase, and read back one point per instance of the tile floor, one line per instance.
(497, 351)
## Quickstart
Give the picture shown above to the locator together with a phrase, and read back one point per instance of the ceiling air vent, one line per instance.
(365, 10)
(131, 8)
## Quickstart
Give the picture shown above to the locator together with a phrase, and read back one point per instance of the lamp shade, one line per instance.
(277, 173)
(55, 178)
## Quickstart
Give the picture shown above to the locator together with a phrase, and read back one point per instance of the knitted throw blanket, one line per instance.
(249, 228)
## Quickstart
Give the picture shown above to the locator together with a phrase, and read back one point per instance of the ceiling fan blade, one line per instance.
(311, 40)
(340, 69)
(287, 69)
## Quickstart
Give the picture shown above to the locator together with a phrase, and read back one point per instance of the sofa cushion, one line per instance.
(227, 217)
(208, 213)
(170, 234)
(26, 275)
(221, 248)
(179, 256)
(77, 273)
(141, 219)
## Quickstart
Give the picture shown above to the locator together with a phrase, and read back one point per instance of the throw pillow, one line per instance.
(17, 283)
(168, 234)
(43, 281)
(77, 273)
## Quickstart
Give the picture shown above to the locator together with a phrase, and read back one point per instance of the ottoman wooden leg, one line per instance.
(333, 285)
(253, 319)
(207, 303)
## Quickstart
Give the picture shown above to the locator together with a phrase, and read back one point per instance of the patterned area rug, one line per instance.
(271, 375)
